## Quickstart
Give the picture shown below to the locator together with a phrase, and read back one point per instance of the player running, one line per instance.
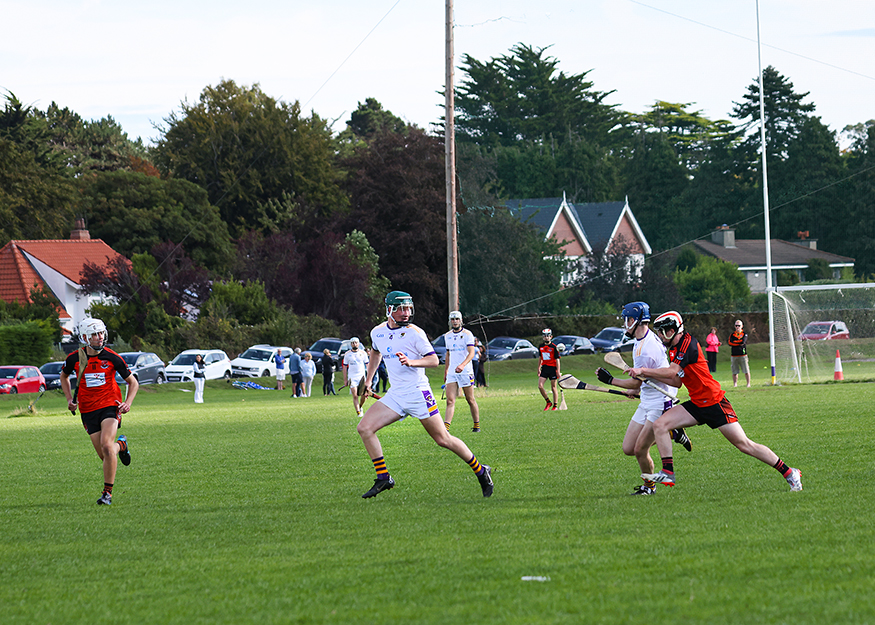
(548, 368)
(355, 363)
(707, 403)
(647, 351)
(100, 398)
(459, 369)
(407, 351)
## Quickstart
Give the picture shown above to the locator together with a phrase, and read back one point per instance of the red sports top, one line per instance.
(703, 388)
(549, 354)
(98, 388)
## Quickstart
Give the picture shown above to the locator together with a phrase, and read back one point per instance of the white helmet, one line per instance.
(90, 327)
(455, 315)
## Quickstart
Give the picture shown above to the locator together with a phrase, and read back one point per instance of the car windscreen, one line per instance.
(130, 359)
(256, 354)
(609, 335)
(502, 343)
(52, 367)
(183, 360)
(321, 346)
(816, 328)
(7, 373)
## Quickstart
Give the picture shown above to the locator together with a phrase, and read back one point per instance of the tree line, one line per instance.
(250, 213)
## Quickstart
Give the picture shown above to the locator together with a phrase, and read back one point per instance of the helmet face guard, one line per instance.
(455, 316)
(547, 334)
(668, 325)
(88, 329)
(399, 302)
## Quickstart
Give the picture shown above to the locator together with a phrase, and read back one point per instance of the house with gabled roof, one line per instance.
(585, 227)
(56, 265)
(750, 256)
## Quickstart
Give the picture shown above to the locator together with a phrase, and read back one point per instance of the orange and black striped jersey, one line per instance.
(703, 388)
(549, 354)
(97, 386)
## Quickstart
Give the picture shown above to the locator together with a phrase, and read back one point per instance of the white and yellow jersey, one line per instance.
(409, 340)
(650, 352)
(457, 349)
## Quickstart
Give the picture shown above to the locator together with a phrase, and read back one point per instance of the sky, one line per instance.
(139, 61)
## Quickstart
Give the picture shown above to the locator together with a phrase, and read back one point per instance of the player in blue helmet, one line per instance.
(648, 348)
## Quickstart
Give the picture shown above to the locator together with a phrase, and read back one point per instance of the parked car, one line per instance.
(52, 374)
(146, 367)
(216, 365)
(509, 348)
(336, 347)
(21, 379)
(440, 348)
(612, 340)
(824, 330)
(574, 344)
(258, 361)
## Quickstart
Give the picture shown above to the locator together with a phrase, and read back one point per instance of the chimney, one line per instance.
(724, 236)
(80, 232)
(804, 241)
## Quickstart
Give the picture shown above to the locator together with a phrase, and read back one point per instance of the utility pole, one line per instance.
(450, 149)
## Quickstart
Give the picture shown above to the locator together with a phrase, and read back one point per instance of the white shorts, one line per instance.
(354, 383)
(280, 375)
(416, 402)
(642, 415)
(461, 379)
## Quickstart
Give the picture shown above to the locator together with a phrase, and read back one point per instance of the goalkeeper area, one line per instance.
(813, 322)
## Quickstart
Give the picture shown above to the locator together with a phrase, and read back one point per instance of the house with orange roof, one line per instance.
(582, 228)
(56, 265)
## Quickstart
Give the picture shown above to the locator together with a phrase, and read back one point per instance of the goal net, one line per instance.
(812, 323)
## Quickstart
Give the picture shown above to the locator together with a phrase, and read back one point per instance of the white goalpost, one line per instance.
(803, 360)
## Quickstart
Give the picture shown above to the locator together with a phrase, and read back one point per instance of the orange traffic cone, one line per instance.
(838, 374)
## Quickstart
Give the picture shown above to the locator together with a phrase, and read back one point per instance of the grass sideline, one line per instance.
(247, 509)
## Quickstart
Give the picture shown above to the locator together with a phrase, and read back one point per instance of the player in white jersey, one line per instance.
(646, 349)
(355, 365)
(407, 352)
(459, 370)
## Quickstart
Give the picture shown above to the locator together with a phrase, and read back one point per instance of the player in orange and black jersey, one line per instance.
(99, 398)
(548, 368)
(707, 403)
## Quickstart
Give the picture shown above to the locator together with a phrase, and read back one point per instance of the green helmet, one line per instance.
(396, 300)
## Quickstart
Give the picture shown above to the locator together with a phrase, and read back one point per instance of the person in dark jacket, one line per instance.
(327, 373)
(738, 344)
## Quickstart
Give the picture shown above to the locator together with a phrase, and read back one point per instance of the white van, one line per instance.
(258, 361)
(216, 365)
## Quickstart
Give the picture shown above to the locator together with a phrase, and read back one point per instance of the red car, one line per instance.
(824, 330)
(20, 379)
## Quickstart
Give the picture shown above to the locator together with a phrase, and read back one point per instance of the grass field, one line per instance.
(247, 509)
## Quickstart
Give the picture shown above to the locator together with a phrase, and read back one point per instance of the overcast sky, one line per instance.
(137, 61)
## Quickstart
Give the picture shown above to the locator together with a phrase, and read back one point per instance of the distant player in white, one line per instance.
(459, 370)
(646, 349)
(355, 365)
(407, 351)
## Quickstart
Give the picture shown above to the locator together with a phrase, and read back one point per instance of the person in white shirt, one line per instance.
(459, 369)
(647, 351)
(308, 372)
(355, 364)
(407, 352)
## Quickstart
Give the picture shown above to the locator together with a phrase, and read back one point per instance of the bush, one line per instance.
(26, 343)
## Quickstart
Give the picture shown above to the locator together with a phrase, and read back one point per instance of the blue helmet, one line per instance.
(638, 312)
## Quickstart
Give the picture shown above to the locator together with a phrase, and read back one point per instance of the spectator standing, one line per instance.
(295, 372)
(327, 373)
(481, 370)
(738, 345)
(713, 346)
(280, 369)
(200, 378)
(383, 375)
(308, 372)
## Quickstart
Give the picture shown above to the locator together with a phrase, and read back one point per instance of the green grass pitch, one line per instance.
(248, 509)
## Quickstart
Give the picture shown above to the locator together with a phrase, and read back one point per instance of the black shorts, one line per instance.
(92, 420)
(548, 372)
(714, 416)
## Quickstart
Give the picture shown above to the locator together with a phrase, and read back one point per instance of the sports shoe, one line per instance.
(475, 429)
(378, 487)
(124, 456)
(105, 500)
(795, 479)
(555, 407)
(679, 436)
(547, 407)
(485, 480)
(643, 490)
(662, 477)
